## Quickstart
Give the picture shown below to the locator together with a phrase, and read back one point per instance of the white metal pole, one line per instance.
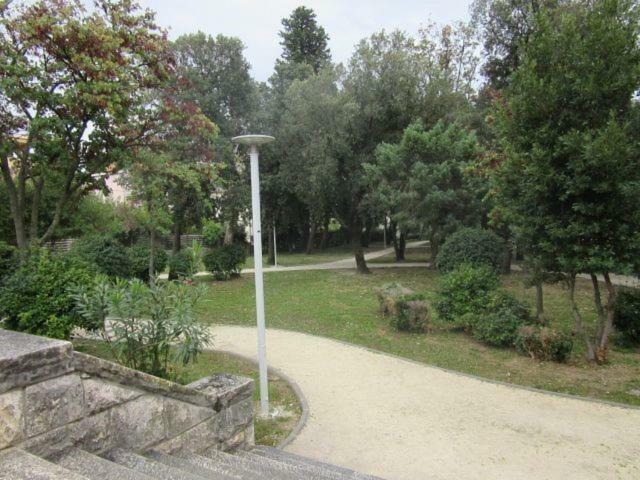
(257, 258)
(275, 246)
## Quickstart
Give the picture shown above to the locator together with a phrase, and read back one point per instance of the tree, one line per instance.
(73, 100)
(421, 180)
(303, 40)
(570, 177)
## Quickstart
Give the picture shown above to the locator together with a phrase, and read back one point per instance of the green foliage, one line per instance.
(466, 291)
(412, 314)
(544, 343)
(139, 256)
(498, 328)
(182, 265)
(8, 259)
(471, 246)
(148, 325)
(388, 295)
(303, 40)
(106, 253)
(627, 314)
(226, 261)
(212, 232)
(38, 296)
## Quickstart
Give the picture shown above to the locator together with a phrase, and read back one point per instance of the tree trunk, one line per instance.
(539, 303)
(355, 231)
(506, 260)
(271, 253)
(16, 206)
(399, 246)
(152, 255)
(35, 208)
(228, 232)
(176, 245)
(603, 340)
(580, 328)
(312, 236)
(325, 234)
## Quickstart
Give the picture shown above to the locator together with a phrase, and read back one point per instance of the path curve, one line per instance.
(399, 419)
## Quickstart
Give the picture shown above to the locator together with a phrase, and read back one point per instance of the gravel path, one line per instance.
(402, 420)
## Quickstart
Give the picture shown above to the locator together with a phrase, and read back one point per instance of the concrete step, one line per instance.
(231, 468)
(265, 467)
(149, 466)
(97, 468)
(17, 464)
(298, 460)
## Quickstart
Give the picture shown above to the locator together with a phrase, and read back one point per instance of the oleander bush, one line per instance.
(226, 261)
(38, 296)
(182, 265)
(544, 343)
(627, 315)
(146, 326)
(465, 292)
(471, 246)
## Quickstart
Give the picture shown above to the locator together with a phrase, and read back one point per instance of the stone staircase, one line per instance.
(260, 463)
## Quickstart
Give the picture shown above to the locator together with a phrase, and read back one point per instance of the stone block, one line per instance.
(26, 359)
(233, 419)
(53, 403)
(181, 416)
(196, 439)
(101, 394)
(226, 388)
(11, 417)
(139, 423)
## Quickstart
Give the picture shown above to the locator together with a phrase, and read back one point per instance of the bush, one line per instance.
(212, 233)
(627, 314)
(497, 328)
(471, 246)
(8, 259)
(38, 297)
(106, 253)
(465, 292)
(543, 343)
(139, 259)
(225, 261)
(182, 265)
(388, 295)
(412, 314)
(148, 325)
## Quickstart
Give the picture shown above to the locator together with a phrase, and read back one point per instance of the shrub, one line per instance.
(388, 295)
(503, 301)
(465, 292)
(139, 260)
(412, 314)
(8, 259)
(225, 261)
(471, 246)
(497, 328)
(627, 314)
(106, 253)
(182, 265)
(212, 233)
(38, 297)
(148, 325)
(543, 343)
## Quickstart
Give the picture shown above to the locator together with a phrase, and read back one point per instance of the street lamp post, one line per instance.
(253, 141)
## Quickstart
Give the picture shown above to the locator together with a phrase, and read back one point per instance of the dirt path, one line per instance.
(403, 420)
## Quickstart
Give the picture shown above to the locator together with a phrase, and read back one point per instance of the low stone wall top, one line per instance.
(53, 398)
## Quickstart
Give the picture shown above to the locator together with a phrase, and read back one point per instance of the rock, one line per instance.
(11, 417)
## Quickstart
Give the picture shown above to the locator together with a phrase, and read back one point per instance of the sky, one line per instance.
(257, 23)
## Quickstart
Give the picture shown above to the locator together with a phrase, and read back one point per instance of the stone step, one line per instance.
(97, 468)
(18, 464)
(298, 460)
(298, 471)
(205, 467)
(265, 466)
(149, 466)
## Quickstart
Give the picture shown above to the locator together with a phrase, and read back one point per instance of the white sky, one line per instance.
(257, 23)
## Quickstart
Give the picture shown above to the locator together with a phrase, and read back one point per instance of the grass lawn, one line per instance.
(281, 396)
(287, 259)
(342, 304)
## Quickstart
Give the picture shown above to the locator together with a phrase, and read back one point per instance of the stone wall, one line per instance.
(53, 398)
